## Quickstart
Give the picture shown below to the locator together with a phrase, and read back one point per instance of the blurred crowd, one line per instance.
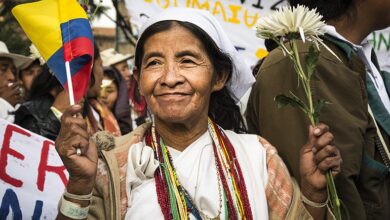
(32, 97)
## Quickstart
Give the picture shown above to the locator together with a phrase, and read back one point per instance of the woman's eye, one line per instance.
(185, 61)
(153, 63)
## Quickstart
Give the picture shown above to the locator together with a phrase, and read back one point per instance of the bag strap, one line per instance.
(381, 144)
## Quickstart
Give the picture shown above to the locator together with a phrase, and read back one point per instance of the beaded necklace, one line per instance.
(174, 200)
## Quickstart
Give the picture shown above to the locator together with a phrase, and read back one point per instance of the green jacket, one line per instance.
(364, 183)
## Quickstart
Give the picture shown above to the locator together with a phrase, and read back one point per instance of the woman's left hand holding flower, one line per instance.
(318, 156)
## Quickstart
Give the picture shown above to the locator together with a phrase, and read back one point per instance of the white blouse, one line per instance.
(196, 171)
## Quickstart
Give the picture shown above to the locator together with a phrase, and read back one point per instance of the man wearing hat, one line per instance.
(10, 90)
(118, 61)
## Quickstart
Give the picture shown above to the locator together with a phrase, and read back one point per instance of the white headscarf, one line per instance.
(242, 77)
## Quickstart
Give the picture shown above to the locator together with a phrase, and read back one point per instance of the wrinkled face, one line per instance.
(176, 76)
(108, 93)
(124, 70)
(27, 76)
(7, 71)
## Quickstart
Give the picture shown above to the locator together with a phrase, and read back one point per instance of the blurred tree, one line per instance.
(10, 32)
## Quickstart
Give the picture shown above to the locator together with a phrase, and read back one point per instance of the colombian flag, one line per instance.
(61, 31)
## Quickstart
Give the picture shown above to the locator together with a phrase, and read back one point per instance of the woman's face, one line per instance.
(176, 76)
(124, 70)
(108, 93)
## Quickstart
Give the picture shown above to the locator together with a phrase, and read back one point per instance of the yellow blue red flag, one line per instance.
(61, 32)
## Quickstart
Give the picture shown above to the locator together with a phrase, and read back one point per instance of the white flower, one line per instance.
(293, 23)
(36, 55)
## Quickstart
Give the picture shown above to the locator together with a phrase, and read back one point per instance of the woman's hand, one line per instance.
(82, 168)
(318, 156)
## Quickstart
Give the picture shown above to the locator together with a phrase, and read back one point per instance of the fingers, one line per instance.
(332, 163)
(319, 137)
(69, 147)
(71, 111)
(320, 129)
(73, 133)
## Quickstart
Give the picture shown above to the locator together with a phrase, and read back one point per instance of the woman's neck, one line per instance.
(180, 135)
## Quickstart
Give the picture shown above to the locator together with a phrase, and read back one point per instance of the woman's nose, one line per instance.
(102, 94)
(172, 76)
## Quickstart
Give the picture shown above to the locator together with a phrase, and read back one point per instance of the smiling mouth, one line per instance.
(174, 94)
(172, 97)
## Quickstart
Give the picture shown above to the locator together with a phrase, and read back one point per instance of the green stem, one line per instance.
(305, 80)
(298, 61)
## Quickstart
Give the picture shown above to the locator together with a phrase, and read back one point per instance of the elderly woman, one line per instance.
(188, 164)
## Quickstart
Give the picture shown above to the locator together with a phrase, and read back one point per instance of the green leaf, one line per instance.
(311, 60)
(293, 101)
(318, 107)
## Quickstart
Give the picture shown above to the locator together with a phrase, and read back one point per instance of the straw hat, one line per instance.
(111, 57)
(19, 60)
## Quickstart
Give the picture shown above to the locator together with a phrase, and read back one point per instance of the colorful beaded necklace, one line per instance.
(174, 200)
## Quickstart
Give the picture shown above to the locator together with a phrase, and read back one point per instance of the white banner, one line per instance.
(380, 41)
(32, 175)
(239, 18)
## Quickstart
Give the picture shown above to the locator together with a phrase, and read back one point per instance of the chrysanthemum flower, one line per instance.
(293, 23)
(288, 21)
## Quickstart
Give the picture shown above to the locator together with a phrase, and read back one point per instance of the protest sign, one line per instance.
(380, 41)
(32, 175)
(239, 19)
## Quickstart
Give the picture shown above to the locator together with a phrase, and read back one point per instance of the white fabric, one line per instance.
(96, 115)
(6, 110)
(196, 171)
(111, 57)
(364, 51)
(242, 77)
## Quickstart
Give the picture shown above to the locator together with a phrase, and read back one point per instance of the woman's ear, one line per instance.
(220, 81)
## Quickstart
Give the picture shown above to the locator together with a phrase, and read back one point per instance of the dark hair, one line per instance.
(222, 108)
(112, 74)
(329, 9)
(43, 83)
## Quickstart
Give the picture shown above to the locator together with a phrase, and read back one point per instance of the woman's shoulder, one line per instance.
(106, 142)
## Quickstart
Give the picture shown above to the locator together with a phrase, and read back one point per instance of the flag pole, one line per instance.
(70, 84)
(71, 95)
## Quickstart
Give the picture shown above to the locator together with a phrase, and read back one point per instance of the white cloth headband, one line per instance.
(242, 77)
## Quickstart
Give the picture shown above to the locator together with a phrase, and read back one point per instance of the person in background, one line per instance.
(113, 94)
(11, 92)
(27, 74)
(351, 86)
(109, 89)
(98, 116)
(42, 111)
(138, 106)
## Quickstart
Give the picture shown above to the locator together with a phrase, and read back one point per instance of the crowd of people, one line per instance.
(32, 97)
(170, 138)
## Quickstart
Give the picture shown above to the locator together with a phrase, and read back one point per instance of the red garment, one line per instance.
(136, 99)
